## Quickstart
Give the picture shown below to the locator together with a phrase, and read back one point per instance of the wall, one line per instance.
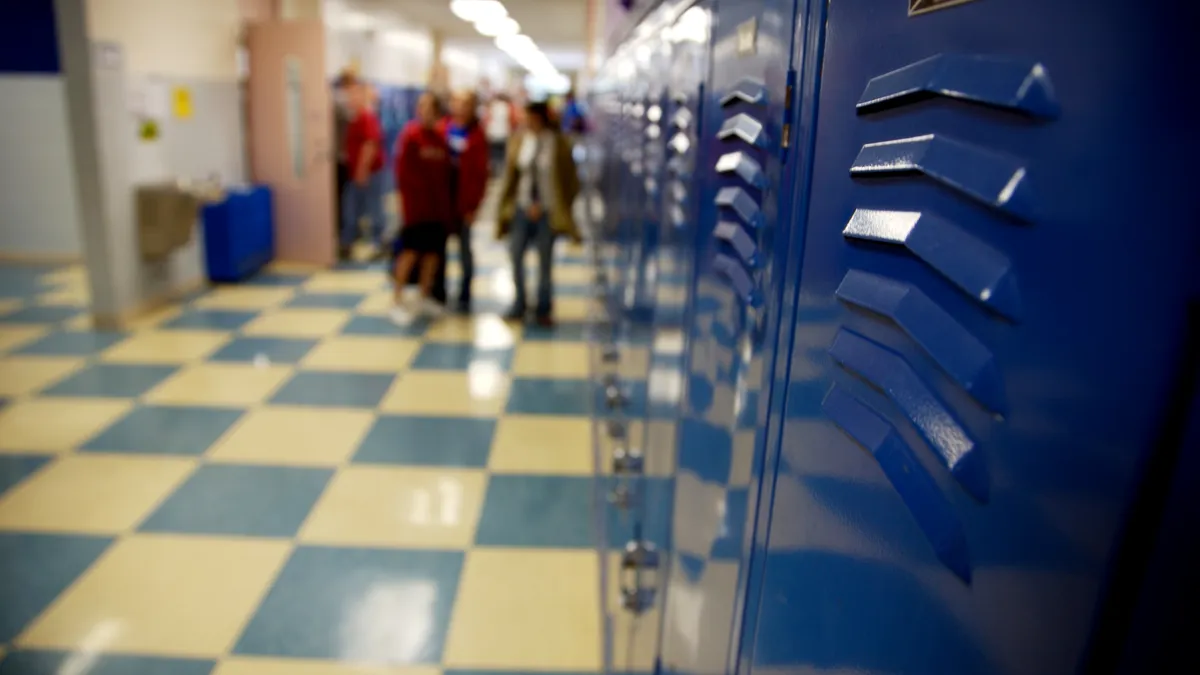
(39, 212)
(182, 45)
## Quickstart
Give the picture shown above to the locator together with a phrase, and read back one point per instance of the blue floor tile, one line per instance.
(124, 381)
(355, 390)
(41, 314)
(327, 300)
(550, 511)
(522, 671)
(165, 430)
(210, 319)
(572, 291)
(276, 350)
(549, 397)
(275, 279)
(362, 266)
(428, 441)
(457, 356)
(70, 343)
(655, 499)
(22, 281)
(381, 326)
(59, 663)
(256, 501)
(567, 331)
(328, 602)
(16, 468)
(34, 569)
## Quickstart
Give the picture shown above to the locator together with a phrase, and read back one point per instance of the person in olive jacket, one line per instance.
(539, 189)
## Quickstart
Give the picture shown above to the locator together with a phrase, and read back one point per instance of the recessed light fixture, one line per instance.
(505, 26)
(475, 11)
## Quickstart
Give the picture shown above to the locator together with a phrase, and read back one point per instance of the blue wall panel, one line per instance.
(28, 38)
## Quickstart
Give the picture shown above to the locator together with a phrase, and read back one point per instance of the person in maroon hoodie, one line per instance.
(469, 156)
(423, 180)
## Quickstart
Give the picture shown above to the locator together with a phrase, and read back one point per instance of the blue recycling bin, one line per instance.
(239, 234)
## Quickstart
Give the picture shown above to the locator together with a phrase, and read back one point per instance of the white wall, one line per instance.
(39, 212)
(169, 45)
(188, 38)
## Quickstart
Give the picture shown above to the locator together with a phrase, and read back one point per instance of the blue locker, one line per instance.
(986, 318)
(738, 250)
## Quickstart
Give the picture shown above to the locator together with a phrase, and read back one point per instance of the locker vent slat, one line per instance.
(964, 358)
(891, 374)
(981, 271)
(1019, 86)
(917, 489)
(996, 180)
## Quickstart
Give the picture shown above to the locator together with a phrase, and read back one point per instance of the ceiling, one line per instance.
(553, 24)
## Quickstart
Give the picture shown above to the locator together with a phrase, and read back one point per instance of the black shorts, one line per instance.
(424, 238)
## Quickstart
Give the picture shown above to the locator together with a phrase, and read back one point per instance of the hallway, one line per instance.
(272, 479)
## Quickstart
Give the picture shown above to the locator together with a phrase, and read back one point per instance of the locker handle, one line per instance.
(1020, 86)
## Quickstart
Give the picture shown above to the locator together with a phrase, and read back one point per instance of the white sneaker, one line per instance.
(431, 308)
(401, 316)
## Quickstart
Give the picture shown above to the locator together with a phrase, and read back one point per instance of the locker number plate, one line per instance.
(747, 37)
(916, 7)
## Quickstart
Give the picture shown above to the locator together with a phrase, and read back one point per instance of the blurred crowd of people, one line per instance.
(441, 164)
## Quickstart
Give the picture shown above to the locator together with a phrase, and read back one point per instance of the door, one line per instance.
(996, 263)
(291, 136)
(737, 248)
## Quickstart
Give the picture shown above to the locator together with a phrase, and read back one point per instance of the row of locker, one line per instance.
(897, 336)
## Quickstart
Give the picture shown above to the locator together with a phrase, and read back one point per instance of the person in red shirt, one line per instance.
(469, 156)
(423, 179)
(363, 196)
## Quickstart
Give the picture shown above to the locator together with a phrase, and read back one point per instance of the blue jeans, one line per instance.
(538, 233)
(363, 200)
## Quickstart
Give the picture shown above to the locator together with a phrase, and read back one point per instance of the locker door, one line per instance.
(646, 462)
(998, 253)
(728, 347)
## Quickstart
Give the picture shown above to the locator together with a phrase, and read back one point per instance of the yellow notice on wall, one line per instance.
(181, 102)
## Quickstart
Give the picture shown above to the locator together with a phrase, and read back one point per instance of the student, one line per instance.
(499, 123)
(574, 118)
(364, 157)
(423, 177)
(540, 185)
(469, 156)
(343, 115)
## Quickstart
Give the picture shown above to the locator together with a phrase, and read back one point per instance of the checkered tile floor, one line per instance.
(271, 479)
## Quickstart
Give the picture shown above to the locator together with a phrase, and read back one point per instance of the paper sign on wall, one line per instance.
(181, 102)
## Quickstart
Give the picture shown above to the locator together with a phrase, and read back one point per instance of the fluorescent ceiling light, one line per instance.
(505, 26)
(475, 11)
